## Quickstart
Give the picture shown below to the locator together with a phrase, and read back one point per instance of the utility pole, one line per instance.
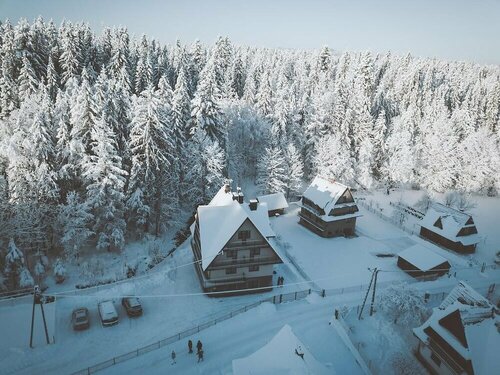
(374, 288)
(366, 296)
(38, 299)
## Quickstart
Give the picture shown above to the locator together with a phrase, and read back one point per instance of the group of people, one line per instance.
(199, 352)
(281, 280)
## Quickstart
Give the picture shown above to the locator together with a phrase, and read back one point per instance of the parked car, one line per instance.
(108, 313)
(132, 306)
(80, 318)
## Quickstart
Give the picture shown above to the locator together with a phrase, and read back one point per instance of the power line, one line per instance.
(230, 291)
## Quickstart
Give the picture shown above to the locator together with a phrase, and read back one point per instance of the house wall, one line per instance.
(426, 355)
(215, 278)
(445, 242)
(328, 229)
(416, 272)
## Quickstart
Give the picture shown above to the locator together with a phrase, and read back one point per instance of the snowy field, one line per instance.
(342, 262)
(248, 333)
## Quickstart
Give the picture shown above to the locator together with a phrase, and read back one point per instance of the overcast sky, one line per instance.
(449, 29)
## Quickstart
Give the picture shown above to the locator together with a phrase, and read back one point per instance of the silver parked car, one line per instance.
(80, 318)
(108, 313)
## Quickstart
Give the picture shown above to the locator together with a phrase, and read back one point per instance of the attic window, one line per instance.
(438, 224)
(470, 221)
(243, 235)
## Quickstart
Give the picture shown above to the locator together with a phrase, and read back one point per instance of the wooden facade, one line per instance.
(330, 213)
(245, 262)
(446, 242)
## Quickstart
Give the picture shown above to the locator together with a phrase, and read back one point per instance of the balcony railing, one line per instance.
(244, 244)
(258, 261)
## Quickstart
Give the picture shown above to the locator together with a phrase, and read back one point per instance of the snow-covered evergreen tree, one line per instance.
(294, 170)
(205, 109)
(106, 180)
(271, 174)
(74, 221)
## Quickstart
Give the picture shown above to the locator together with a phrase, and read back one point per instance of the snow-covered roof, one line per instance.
(479, 322)
(278, 357)
(325, 194)
(466, 295)
(276, 201)
(223, 197)
(422, 257)
(451, 220)
(218, 224)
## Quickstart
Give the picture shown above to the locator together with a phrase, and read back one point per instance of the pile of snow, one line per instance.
(280, 357)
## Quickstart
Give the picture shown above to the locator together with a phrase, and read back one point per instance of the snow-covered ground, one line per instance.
(245, 334)
(172, 301)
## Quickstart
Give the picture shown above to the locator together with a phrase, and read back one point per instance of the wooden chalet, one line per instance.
(461, 336)
(232, 244)
(450, 228)
(328, 209)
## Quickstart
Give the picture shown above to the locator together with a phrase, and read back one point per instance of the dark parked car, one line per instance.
(80, 318)
(108, 313)
(132, 306)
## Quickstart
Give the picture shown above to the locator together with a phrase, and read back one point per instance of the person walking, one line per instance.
(190, 346)
(199, 345)
(173, 357)
(200, 355)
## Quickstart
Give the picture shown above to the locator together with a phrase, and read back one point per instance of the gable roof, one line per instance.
(324, 193)
(422, 257)
(466, 295)
(278, 357)
(276, 201)
(474, 335)
(217, 224)
(451, 221)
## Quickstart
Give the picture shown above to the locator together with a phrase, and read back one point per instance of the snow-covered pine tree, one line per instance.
(74, 220)
(271, 173)
(82, 120)
(106, 179)
(70, 56)
(205, 168)
(152, 149)
(205, 109)
(294, 170)
(28, 82)
(333, 160)
(15, 271)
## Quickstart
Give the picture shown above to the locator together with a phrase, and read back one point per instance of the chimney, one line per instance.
(253, 204)
(240, 195)
(227, 188)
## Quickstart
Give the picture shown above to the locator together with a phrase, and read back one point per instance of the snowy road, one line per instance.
(244, 334)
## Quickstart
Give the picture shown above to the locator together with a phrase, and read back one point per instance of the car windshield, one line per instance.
(81, 318)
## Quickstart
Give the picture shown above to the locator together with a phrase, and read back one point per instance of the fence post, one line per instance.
(309, 291)
(295, 296)
(323, 293)
(274, 299)
(281, 297)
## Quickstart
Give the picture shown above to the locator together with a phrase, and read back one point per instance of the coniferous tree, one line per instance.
(106, 180)
(271, 173)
